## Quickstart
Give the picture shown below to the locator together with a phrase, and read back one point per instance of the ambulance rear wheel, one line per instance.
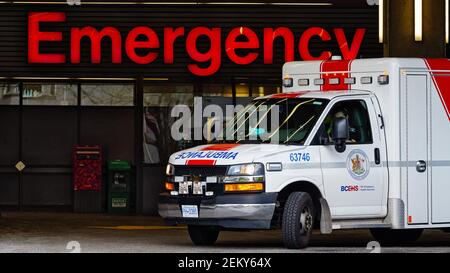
(396, 237)
(298, 220)
(203, 235)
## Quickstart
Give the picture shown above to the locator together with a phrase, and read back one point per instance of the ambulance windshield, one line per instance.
(275, 120)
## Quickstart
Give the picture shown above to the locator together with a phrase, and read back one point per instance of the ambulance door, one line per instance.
(416, 161)
(354, 180)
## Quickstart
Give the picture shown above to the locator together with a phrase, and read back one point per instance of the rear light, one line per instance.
(244, 187)
(170, 186)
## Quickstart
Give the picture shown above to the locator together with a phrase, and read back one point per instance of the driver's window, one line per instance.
(358, 119)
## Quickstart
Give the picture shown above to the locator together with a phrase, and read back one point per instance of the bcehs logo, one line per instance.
(349, 188)
(206, 63)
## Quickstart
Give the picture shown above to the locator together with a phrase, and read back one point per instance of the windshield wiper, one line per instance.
(223, 141)
(249, 141)
(293, 142)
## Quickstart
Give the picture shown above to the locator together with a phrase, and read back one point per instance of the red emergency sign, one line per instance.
(206, 63)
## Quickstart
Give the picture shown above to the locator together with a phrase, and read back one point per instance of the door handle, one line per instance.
(421, 166)
(377, 156)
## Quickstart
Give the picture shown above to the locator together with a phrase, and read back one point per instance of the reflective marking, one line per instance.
(435, 163)
(295, 166)
(200, 162)
(338, 165)
(441, 82)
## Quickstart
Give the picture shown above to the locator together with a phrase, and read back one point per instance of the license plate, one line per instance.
(189, 211)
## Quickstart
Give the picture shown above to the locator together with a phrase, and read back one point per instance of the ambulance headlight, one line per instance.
(246, 170)
(170, 170)
(244, 178)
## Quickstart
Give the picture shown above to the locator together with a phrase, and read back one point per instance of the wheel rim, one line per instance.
(306, 220)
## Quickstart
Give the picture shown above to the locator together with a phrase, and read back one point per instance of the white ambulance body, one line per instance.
(391, 174)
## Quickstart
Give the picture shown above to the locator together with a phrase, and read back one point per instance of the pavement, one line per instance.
(69, 232)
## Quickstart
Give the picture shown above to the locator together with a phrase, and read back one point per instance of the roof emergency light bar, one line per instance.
(303, 82)
(351, 80)
(319, 81)
(289, 81)
(334, 81)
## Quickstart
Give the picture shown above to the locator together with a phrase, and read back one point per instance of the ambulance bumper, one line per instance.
(234, 211)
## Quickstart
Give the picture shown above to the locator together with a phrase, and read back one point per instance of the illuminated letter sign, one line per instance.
(35, 37)
(231, 44)
(141, 45)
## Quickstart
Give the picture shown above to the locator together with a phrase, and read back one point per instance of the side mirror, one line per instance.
(340, 133)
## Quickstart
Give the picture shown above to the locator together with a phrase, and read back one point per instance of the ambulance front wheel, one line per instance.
(203, 235)
(298, 220)
(396, 237)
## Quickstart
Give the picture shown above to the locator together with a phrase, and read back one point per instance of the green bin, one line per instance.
(119, 186)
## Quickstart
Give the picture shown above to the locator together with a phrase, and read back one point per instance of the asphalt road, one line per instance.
(67, 232)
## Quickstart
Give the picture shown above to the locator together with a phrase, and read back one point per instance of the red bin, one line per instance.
(87, 168)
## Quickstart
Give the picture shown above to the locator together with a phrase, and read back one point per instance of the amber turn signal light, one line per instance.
(244, 187)
(170, 186)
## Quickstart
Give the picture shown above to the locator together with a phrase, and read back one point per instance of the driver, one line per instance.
(340, 113)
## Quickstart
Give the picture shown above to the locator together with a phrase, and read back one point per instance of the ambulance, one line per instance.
(363, 144)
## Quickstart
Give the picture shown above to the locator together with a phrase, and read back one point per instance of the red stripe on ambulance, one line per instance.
(201, 162)
(335, 70)
(442, 84)
(291, 95)
(220, 147)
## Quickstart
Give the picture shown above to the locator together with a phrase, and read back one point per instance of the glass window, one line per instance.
(358, 119)
(168, 95)
(9, 93)
(49, 94)
(158, 102)
(218, 94)
(296, 118)
(242, 90)
(259, 90)
(217, 90)
(107, 94)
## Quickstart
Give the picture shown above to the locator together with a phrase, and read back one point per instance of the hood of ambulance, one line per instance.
(228, 154)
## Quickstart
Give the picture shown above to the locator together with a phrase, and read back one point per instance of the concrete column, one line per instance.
(399, 29)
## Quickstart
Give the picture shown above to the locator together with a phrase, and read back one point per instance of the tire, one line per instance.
(396, 237)
(203, 235)
(298, 220)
